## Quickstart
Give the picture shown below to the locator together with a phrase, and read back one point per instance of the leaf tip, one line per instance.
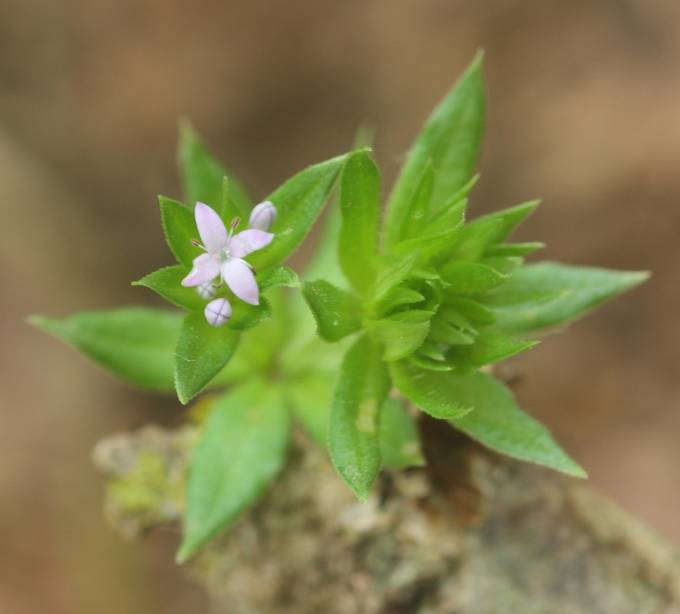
(185, 552)
(639, 277)
(479, 56)
(186, 129)
(579, 472)
(37, 321)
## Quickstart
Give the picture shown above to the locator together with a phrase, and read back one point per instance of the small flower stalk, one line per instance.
(223, 259)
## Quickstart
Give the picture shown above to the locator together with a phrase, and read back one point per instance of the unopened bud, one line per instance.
(263, 216)
(218, 312)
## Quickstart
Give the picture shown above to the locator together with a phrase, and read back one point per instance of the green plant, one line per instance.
(425, 304)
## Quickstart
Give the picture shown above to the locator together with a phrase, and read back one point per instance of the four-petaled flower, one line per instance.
(224, 256)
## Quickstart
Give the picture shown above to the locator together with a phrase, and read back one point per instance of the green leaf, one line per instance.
(422, 360)
(503, 264)
(203, 176)
(202, 352)
(393, 269)
(497, 422)
(443, 214)
(232, 203)
(298, 203)
(471, 241)
(354, 421)
(277, 277)
(180, 230)
(337, 313)
(468, 278)
(447, 332)
(397, 297)
(428, 390)
(473, 311)
(437, 236)
(134, 343)
(360, 206)
(325, 262)
(399, 437)
(402, 333)
(245, 316)
(491, 346)
(310, 400)
(418, 210)
(167, 282)
(505, 221)
(241, 449)
(451, 140)
(575, 291)
(514, 249)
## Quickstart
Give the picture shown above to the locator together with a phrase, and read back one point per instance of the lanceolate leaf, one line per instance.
(451, 140)
(514, 249)
(473, 311)
(134, 343)
(337, 312)
(398, 296)
(299, 202)
(402, 333)
(419, 207)
(167, 282)
(491, 346)
(354, 422)
(472, 241)
(429, 390)
(180, 229)
(280, 276)
(393, 269)
(202, 352)
(202, 175)
(575, 291)
(241, 449)
(497, 422)
(234, 202)
(506, 220)
(310, 400)
(399, 437)
(468, 278)
(360, 206)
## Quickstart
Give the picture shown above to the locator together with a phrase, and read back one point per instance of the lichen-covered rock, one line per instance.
(146, 477)
(471, 534)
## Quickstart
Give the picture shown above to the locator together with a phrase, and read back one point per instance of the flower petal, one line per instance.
(241, 281)
(206, 268)
(263, 216)
(217, 312)
(211, 228)
(248, 241)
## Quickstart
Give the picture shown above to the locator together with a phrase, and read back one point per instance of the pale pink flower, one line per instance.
(224, 255)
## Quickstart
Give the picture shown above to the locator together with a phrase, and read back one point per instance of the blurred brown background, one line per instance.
(584, 111)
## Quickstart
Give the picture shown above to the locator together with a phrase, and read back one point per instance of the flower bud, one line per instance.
(218, 312)
(207, 290)
(263, 216)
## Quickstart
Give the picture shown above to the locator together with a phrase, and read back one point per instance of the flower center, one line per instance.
(225, 254)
